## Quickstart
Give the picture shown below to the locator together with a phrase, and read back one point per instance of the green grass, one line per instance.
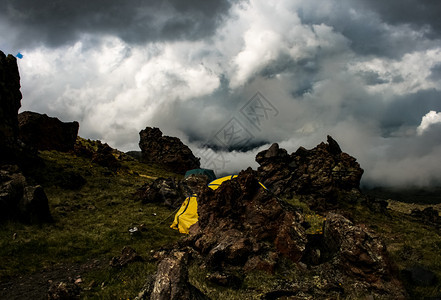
(90, 223)
(409, 243)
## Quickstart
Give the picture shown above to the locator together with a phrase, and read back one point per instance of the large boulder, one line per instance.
(324, 172)
(19, 200)
(242, 224)
(167, 151)
(47, 133)
(10, 97)
(360, 255)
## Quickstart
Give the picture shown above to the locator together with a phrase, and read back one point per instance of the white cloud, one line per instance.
(302, 56)
(432, 117)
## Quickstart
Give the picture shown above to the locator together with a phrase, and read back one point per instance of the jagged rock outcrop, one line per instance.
(241, 225)
(323, 172)
(19, 200)
(171, 280)
(47, 133)
(167, 151)
(360, 255)
(10, 97)
(170, 191)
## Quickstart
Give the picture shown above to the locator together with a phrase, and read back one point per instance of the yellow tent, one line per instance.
(216, 183)
(187, 214)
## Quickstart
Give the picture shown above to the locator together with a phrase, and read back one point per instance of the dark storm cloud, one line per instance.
(407, 110)
(435, 72)
(58, 22)
(366, 23)
(419, 14)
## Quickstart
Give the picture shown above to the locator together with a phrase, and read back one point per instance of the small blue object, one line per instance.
(19, 55)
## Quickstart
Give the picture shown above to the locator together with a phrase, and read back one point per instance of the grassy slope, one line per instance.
(91, 224)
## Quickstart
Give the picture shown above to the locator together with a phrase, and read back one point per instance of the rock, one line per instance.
(169, 191)
(19, 200)
(241, 220)
(171, 280)
(324, 172)
(427, 216)
(46, 133)
(128, 255)
(12, 151)
(103, 156)
(420, 276)
(361, 255)
(10, 97)
(167, 151)
(224, 279)
(64, 291)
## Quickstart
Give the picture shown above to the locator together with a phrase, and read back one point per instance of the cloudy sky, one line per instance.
(239, 75)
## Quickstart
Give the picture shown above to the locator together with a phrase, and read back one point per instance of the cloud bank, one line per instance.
(362, 71)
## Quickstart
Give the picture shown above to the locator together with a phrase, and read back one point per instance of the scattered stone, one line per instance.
(223, 279)
(128, 255)
(63, 291)
(47, 133)
(167, 151)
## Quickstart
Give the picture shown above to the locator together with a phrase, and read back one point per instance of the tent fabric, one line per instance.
(209, 173)
(216, 183)
(187, 215)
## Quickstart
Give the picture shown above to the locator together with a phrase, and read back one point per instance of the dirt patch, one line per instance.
(36, 285)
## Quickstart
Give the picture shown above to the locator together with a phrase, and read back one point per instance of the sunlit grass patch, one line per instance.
(315, 222)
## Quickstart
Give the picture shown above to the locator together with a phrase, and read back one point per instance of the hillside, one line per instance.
(94, 209)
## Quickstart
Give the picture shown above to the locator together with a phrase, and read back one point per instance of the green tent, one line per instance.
(209, 173)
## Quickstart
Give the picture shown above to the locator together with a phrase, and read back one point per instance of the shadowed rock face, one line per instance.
(324, 172)
(241, 220)
(167, 151)
(19, 200)
(10, 97)
(47, 133)
(243, 225)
